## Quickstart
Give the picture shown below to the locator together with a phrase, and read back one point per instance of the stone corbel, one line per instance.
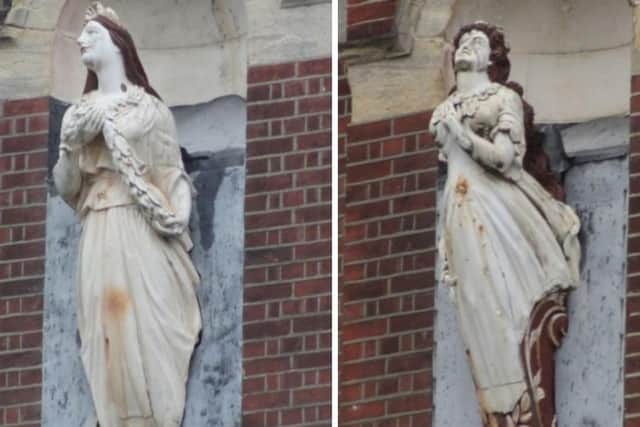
(17, 15)
(13, 19)
(407, 16)
(399, 44)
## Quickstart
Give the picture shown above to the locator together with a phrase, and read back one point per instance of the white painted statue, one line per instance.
(508, 245)
(120, 169)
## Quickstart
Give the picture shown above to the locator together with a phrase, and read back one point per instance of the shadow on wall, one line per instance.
(212, 136)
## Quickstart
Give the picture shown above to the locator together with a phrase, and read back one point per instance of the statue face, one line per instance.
(473, 52)
(96, 46)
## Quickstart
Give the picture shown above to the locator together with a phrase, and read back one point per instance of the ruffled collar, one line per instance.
(468, 103)
(480, 94)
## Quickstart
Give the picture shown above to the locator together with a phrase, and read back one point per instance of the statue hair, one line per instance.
(132, 66)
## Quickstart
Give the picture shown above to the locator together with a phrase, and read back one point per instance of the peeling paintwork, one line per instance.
(207, 171)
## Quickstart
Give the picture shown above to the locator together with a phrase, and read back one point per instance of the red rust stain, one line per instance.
(116, 303)
(116, 306)
(481, 228)
(462, 185)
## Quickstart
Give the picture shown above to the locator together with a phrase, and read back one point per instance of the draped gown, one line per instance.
(506, 242)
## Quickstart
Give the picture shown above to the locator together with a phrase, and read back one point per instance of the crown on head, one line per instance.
(97, 8)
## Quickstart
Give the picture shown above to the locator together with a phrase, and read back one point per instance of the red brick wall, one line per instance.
(370, 18)
(287, 294)
(387, 286)
(632, 348)
(24, 128)
(344, 117)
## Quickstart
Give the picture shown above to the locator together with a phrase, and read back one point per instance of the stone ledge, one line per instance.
(595, 140)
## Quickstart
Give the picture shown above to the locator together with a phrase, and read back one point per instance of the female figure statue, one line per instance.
(120, 169)
(510, 249)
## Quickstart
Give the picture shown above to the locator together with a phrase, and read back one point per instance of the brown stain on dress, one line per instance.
(116, 307)
(462, 185)
(116, 302)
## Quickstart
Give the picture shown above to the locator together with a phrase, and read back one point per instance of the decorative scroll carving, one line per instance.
(509, 245)
(549, 324)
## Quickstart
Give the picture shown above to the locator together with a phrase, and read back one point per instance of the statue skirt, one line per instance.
(138, 318)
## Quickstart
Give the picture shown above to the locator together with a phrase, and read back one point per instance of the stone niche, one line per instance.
(193, 50)
(196, 59)
(571, 56)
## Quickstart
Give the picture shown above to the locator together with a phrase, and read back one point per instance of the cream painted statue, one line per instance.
(510, 248)
(120, 169)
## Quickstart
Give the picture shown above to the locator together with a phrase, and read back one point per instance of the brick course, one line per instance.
(287, 295)
(632, 336)
(367, 19)
(388, 177)
(23, 171)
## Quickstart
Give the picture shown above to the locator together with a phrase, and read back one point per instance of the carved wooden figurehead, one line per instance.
(509, 244)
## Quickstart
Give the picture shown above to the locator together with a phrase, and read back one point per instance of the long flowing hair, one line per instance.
(132, 66)
(535, 161)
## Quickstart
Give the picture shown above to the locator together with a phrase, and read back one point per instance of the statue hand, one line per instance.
(459, 131)
(94, 121)
(86, 123)
(169, 228)
(465, 140)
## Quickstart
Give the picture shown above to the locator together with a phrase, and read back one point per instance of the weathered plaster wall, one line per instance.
(589, 365)
(212, 126)
(217, 169)
(279, 35)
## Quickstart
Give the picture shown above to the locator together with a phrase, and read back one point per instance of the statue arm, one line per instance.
(498, 155)
(67, 176)
(74, 133)
(506, 146)
(168, 174)
(175, 186)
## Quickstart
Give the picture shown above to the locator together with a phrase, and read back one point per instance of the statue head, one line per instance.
(103, 40)
(473, 52)
(97, 48)
(481, 47)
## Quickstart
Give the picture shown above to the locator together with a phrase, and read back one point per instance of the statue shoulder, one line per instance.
(444, 109)
(509, 97)
(79, 106)
(164, 141)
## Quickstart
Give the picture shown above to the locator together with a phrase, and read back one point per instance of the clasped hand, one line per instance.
(450, 128)
(86, 123)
